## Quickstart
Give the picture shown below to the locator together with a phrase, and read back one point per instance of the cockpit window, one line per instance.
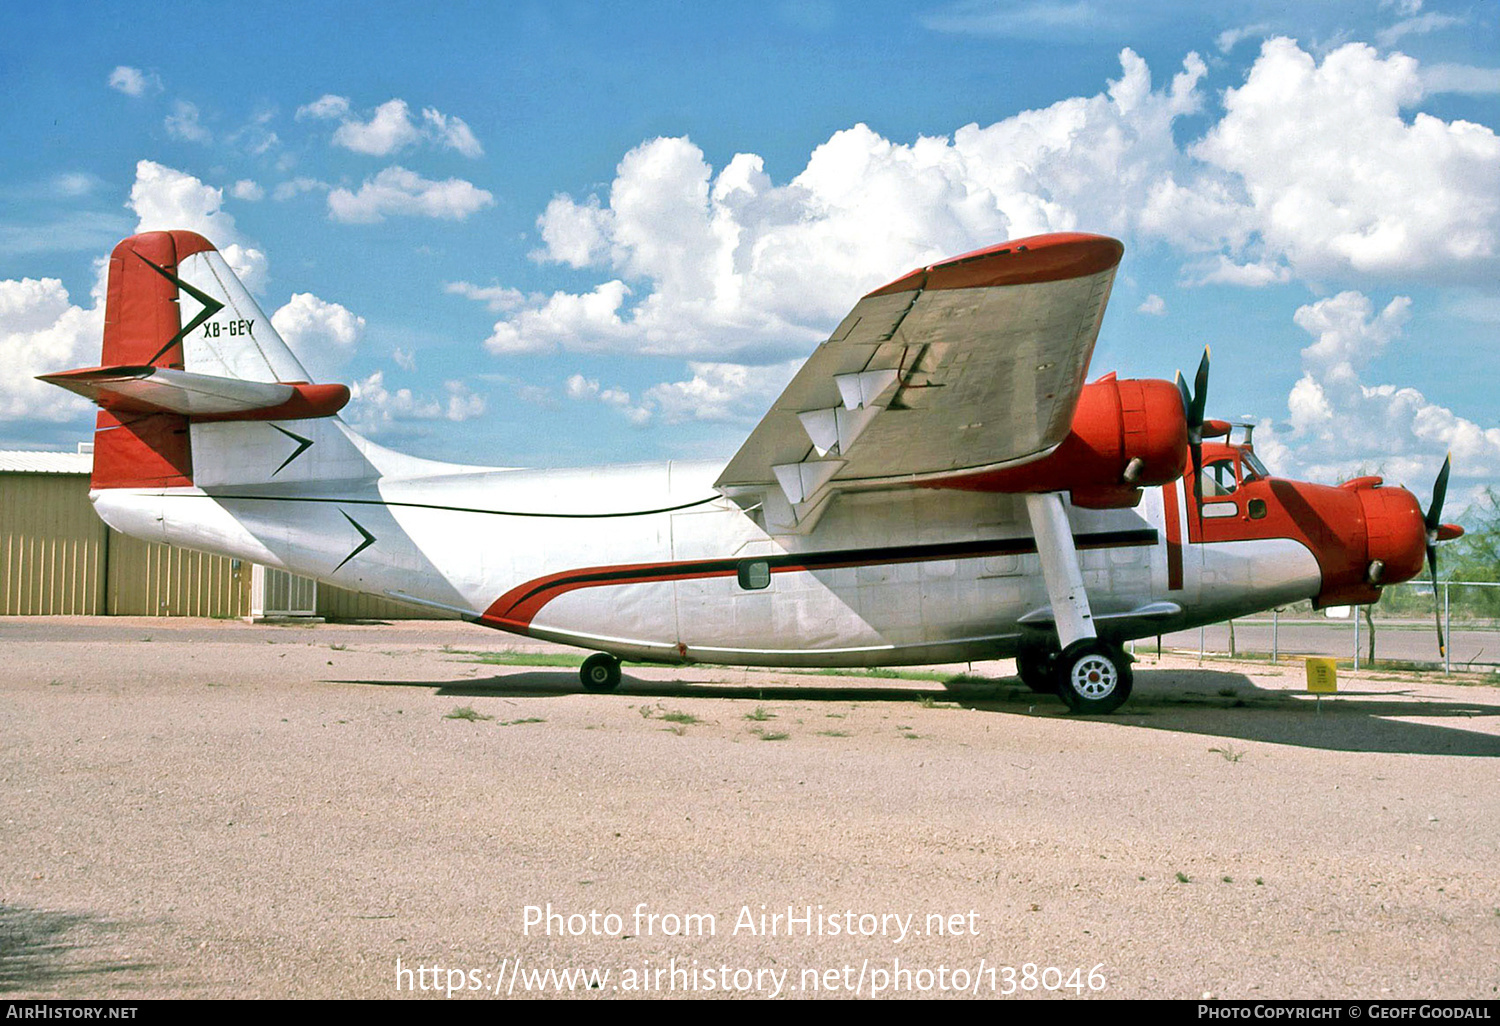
(1256, 468)
(1219, 479)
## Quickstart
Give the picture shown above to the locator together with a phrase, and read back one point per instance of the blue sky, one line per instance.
(553, 234)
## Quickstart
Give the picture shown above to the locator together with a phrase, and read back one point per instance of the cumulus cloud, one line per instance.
(579, 388)
(134, 81)
(728, 264)
(42, 331)
(183, 123)
(1339, 425)
(165, 199)
(1323, 174)
(376, 409)
(399, 192)
(246, 189)
(716, 392)
(1314, 170)
(322, 335)
(496, 297)
(296, 187)
(324, 107)
(451, 132)
(388, 130)
(391, 127)
(1153, 305)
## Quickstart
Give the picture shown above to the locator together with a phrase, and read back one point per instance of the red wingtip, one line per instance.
(1040, 258)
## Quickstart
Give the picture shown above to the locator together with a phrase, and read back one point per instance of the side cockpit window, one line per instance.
(1219, 479)
(1254, 468)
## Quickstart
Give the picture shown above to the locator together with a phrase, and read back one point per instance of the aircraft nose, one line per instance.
(1397, 534)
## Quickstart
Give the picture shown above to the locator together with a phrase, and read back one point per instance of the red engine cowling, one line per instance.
(1117, 423)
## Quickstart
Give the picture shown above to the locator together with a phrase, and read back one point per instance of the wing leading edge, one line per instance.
(972, 364)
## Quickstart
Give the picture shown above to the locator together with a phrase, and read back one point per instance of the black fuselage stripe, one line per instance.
(438, 506)
(838, 558)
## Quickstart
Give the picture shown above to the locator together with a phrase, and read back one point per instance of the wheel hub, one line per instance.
(1094, 677)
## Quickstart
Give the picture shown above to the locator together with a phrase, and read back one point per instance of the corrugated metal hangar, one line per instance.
(58, 559)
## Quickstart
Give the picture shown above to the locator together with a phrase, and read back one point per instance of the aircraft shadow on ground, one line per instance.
(1214, 703)
(41, 950)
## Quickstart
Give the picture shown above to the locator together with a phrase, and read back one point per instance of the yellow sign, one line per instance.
(1322, 676)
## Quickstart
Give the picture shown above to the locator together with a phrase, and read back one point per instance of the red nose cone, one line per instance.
(1397, 533)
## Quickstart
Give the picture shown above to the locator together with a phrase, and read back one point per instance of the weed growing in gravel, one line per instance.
(678, 716)
(1183, 877)
(760, 715)
(516, 723)
(1230, 753)
(466, 712)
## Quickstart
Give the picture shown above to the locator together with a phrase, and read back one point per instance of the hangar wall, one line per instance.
(58, 559)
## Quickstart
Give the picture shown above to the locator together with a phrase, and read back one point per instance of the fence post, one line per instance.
(1275, 613)
(1355, 610)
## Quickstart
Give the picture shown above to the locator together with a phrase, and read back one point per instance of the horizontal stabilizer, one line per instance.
(203, 397)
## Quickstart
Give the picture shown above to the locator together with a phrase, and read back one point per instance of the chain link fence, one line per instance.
(1400, 630)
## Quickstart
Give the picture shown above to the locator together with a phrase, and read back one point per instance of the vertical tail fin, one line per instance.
(174, 304)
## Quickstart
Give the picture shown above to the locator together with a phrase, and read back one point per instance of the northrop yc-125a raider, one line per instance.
(938, 483)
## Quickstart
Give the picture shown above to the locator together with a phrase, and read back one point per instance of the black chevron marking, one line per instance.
(211, 306)
(369, 539)
(303, 444)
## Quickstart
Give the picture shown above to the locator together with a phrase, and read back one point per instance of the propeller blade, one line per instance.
(1437, 613)
(1200, 392)
(1439, 494)
(1433, 521)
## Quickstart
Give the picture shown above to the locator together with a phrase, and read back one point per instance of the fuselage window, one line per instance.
(755, 574)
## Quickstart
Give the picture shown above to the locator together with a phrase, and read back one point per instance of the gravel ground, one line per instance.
(212, 809)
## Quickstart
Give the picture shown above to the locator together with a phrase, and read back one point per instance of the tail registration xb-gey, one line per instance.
(938, 483)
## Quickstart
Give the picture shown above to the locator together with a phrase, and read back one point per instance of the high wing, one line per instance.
(972, 364)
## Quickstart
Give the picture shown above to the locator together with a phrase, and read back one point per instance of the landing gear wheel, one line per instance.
(1093, 677)
(1034, 665)
(600, 672)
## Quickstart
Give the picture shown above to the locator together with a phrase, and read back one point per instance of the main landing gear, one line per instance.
(1093, 677)
(1089, 674)
(600, 672)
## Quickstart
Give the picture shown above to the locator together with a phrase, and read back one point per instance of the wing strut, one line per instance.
(1060, 568)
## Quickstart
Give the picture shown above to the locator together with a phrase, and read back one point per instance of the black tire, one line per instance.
(600, 673)
(1093, 677)
(1034, 665)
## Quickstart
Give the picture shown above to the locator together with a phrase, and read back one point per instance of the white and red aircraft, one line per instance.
(936, 484)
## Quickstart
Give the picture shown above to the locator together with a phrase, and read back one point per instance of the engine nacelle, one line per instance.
(1127, 435)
